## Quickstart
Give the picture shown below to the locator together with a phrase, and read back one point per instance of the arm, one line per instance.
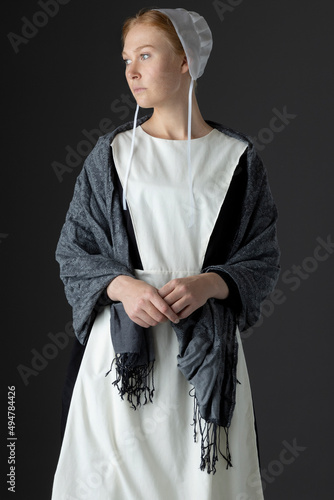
(93, 246)
(249, 269)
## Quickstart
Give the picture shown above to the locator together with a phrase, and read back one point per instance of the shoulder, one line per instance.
(229, 132)
(250, 163)
(100, 155)
(238, 137)
(98, 169)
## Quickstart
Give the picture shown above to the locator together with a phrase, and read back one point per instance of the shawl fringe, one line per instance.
(136, 382)
(210, 440)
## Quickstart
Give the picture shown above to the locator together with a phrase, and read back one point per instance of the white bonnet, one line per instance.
(195, 36)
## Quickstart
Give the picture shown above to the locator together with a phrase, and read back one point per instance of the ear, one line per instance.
(185, 65)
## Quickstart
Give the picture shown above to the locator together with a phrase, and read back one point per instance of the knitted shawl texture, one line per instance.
(94, 248)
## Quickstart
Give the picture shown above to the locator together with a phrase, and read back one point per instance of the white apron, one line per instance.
(110, 451)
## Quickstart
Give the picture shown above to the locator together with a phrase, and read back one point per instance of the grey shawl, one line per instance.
(94, 248)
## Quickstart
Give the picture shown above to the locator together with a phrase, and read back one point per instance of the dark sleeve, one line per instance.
(253, 250)
(233, 300)
(93, 246)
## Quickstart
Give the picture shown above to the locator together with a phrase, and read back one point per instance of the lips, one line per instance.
(138, 90)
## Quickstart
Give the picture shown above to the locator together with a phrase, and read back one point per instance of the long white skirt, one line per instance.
(111, 451)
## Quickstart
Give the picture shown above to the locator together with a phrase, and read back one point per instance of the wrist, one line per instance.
(218, 286)
(116, 287)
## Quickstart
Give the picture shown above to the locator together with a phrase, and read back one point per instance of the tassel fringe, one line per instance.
(210, 440)
(136, 382)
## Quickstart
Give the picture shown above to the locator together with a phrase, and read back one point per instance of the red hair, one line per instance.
(158, 20)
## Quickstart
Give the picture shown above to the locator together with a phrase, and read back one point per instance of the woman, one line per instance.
(168, 248)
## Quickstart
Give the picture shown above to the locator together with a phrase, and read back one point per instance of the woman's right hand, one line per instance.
(141, 301)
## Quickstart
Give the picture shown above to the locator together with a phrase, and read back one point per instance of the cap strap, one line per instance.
(190, 173)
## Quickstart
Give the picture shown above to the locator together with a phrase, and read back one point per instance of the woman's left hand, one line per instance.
(185, 295)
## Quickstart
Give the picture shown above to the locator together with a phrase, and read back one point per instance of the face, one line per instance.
(156, 76)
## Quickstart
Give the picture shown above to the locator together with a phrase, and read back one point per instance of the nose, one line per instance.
(132, 71)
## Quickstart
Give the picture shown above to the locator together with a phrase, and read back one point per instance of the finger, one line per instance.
(138, 317)
(173, 296)
(152, 310)
(181, 304)
(166, 289)
(144, 319)
(177, 289)
(165, 309)
(156, 315)
(145, 309)
(186, 312)
(140, 322)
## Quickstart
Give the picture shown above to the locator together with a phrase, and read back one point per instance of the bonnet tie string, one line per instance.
(190, 172)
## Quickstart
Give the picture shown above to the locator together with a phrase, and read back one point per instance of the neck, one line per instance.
(171, 121)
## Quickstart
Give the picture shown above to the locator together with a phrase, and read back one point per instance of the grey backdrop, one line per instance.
(270, 75)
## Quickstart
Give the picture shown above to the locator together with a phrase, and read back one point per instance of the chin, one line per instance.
(143, 103)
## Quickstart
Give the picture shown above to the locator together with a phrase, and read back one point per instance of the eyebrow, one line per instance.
(139, 48)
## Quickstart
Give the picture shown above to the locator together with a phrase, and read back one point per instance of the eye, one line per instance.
(142, 56)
